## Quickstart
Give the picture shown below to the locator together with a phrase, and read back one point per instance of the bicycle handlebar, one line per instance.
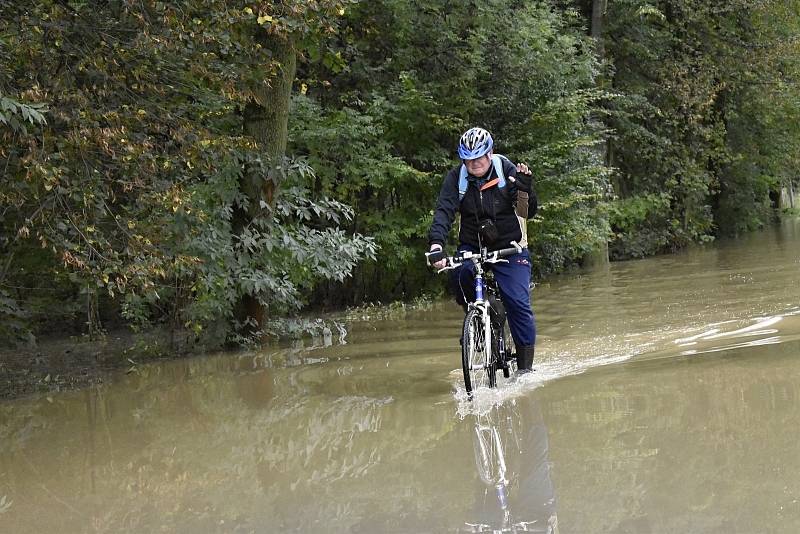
(484, 256)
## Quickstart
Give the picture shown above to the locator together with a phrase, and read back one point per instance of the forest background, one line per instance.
(212, 166)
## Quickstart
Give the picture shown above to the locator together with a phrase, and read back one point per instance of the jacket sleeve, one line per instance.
(446, 207)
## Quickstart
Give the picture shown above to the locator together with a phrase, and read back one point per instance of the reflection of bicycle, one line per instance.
(490, 461)
(485, 320)
(510, 445)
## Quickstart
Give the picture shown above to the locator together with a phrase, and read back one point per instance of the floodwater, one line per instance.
(666, 399)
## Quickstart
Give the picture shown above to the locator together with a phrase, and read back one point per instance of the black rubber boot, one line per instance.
(525, 359)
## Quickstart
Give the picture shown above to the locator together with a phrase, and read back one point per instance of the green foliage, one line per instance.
(707, 117)
(640, 225)
(131, 184)
(13, 321)
(15, 114)
(353, 157)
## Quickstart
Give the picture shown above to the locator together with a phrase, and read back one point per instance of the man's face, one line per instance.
(479, 166)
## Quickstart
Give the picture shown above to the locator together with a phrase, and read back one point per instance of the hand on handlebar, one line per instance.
(437, 257)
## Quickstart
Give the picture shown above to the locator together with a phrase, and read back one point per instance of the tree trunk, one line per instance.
(598, 14)
(599, 256)
(266, 119)
(596, 32)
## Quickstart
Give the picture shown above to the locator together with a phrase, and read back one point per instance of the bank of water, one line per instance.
(665, 399)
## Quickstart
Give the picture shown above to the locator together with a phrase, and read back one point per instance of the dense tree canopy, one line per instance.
(169, 161)
(705, 126)
(125, 191)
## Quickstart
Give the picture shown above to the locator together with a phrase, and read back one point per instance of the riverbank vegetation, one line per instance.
(207, 166)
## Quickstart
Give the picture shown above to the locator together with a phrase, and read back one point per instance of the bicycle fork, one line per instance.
(483, 305)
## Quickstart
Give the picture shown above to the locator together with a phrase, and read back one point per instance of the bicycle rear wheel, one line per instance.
(503, 343)
(476, 354)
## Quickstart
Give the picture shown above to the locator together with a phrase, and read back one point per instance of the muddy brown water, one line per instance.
(666, 398)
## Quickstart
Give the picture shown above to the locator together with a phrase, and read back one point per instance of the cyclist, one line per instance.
(494, 198)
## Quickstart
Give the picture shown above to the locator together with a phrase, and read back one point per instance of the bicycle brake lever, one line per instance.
(452, 265)
(494, 259)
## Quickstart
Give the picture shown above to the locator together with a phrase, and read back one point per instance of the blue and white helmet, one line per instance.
(474, 143)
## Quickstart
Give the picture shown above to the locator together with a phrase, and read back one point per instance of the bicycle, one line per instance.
(485, 319)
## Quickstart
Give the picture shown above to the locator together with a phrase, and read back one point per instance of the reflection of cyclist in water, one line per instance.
(515, 492)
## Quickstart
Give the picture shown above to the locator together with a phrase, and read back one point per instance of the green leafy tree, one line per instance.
(699, 141)
(129, 197)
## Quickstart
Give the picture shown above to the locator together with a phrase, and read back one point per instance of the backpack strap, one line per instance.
(497, 163)
(462, 182)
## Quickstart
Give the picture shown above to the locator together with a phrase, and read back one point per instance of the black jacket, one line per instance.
(493, 203)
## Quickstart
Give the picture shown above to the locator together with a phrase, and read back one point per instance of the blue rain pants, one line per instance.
(513, 280)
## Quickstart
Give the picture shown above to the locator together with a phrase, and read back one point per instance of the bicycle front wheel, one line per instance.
(476, 354)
